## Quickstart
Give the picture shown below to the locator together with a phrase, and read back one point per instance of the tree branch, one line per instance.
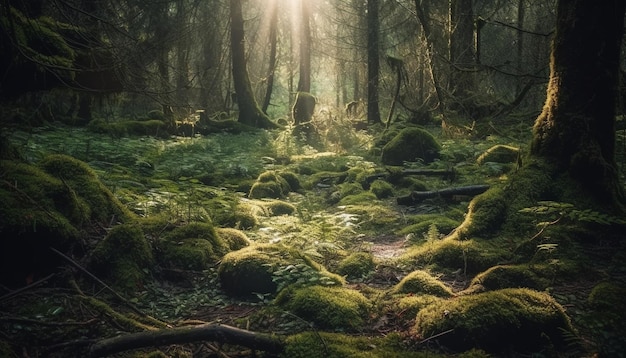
(204, 332)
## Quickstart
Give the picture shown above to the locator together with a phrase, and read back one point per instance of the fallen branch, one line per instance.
(417, 196)
(444, 173)
(205, 332)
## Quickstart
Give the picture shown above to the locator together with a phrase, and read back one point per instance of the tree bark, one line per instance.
(373, 62)
(304, 81)
(249, 111)
(462, 54)
(205, 332)
(576, 129)
(272, 62)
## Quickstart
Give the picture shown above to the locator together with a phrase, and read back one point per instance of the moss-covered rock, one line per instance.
(361, 198)
(411, 144)
(425, 223)
(410, 305)
(500, 321)
(421, 282)
(327, 307)
(235, 239)
(499, 154)
(44, 206)
(608, 318)
(509, 276)
(269, 184)
(292, 179)
(449, 254)
(124, 258)
(381, 189)
(278, 208)
(356, 265)
(195, 246)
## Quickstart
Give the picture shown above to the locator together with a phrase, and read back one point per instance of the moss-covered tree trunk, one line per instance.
(572, 153)
(249, 111)
(576, 130)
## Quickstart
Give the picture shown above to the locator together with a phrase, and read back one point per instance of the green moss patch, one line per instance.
(235, 239)
(411, 144)
(381, 189)
(263, 268)
(124, 258)
(327, 307)
(498, 321)
(270, 184)
(195, 246)
(421, 282)
(356, 265)
(509, 276)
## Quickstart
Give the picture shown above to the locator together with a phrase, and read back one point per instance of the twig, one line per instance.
(25, 288)
(435, 336)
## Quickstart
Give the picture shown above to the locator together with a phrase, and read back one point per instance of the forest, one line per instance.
(312, 178)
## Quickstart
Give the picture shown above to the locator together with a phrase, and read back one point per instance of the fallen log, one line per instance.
(417, 196)
(181, 335)
(443, 173)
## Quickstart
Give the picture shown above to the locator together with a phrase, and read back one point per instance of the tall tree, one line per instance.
(373, 61)
(273, 39)
(249, 111)
(576, 129)
(572, 157)
(304, 81)
(462, 54)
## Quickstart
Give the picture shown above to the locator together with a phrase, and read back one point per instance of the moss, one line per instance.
(486, 213)
(356, 265)
(327, 307)
(278, 208)
(381, 189)
(497, 321)
(361, 198)
(269, 184)
(606, 296)
(607, 318)
(421, 282)
(411, 144)
(443, 224)
(336, 345)
(124, 258)
(292, 179)
(195, 246)
(98, 203)
(470, 256)
(47, 206)
(410, 305)
(509, 276)
(249, 270)
(499, 154)
(234, 239)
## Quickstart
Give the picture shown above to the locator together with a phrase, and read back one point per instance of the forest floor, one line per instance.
(188, 178)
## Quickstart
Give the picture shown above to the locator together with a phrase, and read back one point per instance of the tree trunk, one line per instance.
(304, 81)
(272, 62)
(373, 62)
(576, 129)
(462, 53)
(249, 111)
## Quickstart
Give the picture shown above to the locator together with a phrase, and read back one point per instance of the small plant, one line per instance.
(300, 274)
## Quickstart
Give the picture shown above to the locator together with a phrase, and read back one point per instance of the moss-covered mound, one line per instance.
(195, 246)
(256, 269)
(270, 184)
(500, 321)
(278, 208)
(499, 154)
(608, 318)
(124, 258)
(421, 282)
(471, 256)
(356, 265)
(327, 307)
(411, 144)
(509, 276)
(47, 206)
(381, 189)
(234, 239)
